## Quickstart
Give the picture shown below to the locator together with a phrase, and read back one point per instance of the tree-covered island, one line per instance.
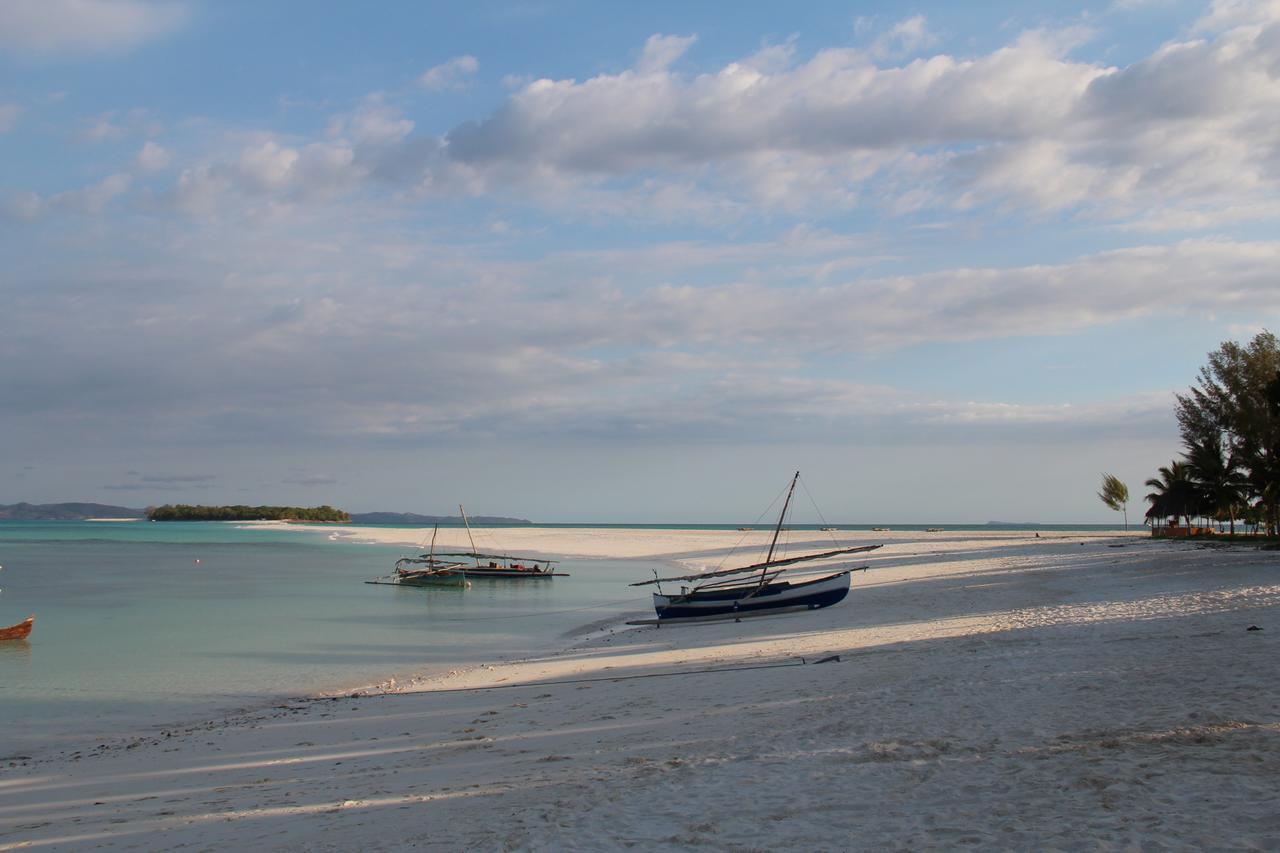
(186, 512)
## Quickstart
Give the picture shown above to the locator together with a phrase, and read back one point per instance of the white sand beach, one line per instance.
(1072, 691)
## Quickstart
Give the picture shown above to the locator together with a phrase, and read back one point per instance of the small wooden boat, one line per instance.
(20, 631)
(502, 566)
(430, 570)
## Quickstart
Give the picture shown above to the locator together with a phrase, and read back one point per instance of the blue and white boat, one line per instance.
(727, 594)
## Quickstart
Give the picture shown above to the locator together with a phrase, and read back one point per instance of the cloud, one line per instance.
(152, 157)
(374, 123)
(1024, 125)
(115, 124)
(661, 51)
(904, 38)
(245, 331)
(451, 76)
(1185, 137)
(52, 28)
(89, 200)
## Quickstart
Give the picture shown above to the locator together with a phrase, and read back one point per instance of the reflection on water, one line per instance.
(15, 650)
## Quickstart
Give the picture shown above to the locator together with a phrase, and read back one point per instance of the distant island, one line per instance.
(66, 512)
(186, 512)
(80, 511)
(414, 518)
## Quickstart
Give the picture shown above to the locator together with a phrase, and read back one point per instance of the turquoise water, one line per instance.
(139, 625)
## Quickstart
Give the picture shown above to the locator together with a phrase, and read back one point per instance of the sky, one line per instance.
(572, 261)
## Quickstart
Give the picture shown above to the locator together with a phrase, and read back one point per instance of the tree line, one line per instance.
(240, 512)
(1229, 423)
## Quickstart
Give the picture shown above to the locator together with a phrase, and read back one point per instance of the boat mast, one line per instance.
(475, 555)
(777, 531)
(431, 554)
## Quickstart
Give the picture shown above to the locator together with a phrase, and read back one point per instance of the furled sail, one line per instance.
(758, 566)
(478, 556)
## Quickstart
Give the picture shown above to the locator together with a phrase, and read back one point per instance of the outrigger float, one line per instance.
(767, 594)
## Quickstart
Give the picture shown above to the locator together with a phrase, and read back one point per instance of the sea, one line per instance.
(143, 626)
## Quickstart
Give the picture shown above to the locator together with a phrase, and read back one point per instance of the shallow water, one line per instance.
(142, 625)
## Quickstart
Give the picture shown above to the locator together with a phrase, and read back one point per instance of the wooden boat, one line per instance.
(503, 566)
(20, 631)
(426, 570)
(711, 597)
(430, 569)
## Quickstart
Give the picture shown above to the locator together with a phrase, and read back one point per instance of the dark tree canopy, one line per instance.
(186, 512)
(1230, 426)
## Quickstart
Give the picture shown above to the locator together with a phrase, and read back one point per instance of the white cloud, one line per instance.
(92, 199)
(1187, 135)
(904, 38)
(1023, 125)
(453, 75)
(661, 51)
(102, 127)
(374, 123)
(152, 157)
(69, 27)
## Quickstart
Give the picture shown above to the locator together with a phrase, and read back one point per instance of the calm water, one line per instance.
(142, 625)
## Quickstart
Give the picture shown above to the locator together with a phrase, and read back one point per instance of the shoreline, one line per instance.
(965, 667)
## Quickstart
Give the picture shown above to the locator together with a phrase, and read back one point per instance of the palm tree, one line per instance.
(1217, 476)
(1115, 495)
(1174, 493)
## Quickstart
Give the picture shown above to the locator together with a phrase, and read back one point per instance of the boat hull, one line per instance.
(20, 631)
(811, 594)
(460, 577)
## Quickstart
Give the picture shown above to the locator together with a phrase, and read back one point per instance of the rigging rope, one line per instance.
(809, 495)
(745, 533)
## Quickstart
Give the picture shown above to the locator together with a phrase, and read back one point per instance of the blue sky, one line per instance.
(572, 261)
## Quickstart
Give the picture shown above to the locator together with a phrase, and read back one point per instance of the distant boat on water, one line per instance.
(430, 569)
(20, 631)
(735, 597)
